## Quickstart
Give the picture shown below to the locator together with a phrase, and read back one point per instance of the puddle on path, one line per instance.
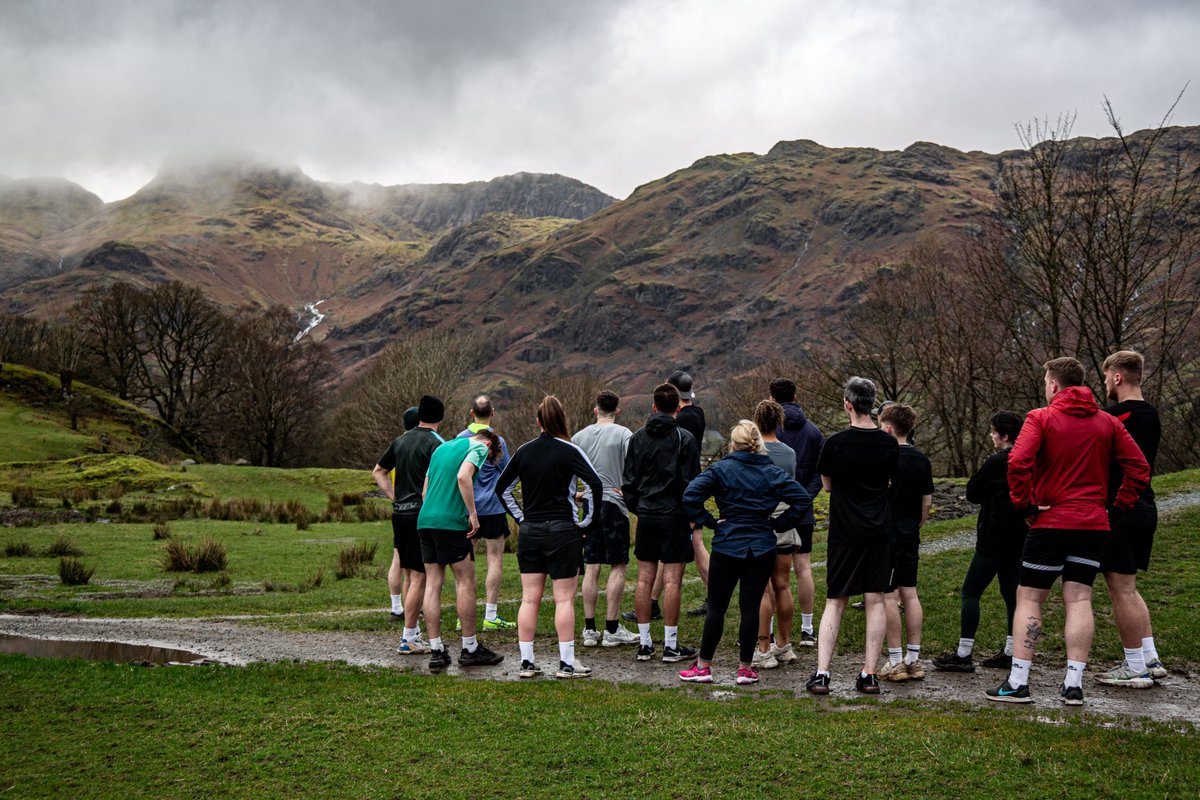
(116, 652)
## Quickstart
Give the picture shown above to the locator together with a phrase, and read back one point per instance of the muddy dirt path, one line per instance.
(1176, 699)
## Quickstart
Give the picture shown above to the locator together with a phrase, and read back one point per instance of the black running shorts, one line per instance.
(550, 548)
(1128, 547)
(665, 539)
(406, 541)
(608, 543)
(1051, 552)
(445, 547)
(904, 558)
(857, 569)
(493, 526)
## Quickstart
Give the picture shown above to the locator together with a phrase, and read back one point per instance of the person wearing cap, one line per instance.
(691, 419)
(395, 573)
(408, 459)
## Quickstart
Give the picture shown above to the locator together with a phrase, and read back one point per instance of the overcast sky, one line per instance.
(613, 93)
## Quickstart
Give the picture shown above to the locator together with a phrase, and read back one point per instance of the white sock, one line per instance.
(1019, 674)
(397, 604)
(1135, 659)
(526, 651)
(435, 644)
(1008, 646)
(566, 652)
(470, 644)
(806, 623)
(966, 647)
(411, 633)
(895, 655)
(1149, 650)
(489, 612)
(644, 632)
(1074, 676)
(913, 654)
(670, 636)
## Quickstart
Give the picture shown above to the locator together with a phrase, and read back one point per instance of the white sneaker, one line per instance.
(591, 638)
(785, 654)
(413, 647)
(763, 660)
(575, 670)
(1156, 669)
(622, 636)
(1122, 675)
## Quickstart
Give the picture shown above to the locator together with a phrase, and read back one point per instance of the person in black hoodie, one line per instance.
(662, 458)
(1000, 533)
(799, 433)
(551, 535)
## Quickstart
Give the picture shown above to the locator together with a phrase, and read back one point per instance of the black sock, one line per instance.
(655, 611)
(610, 625)
(589, 623)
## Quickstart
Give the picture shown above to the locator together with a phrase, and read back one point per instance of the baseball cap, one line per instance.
(683, 382)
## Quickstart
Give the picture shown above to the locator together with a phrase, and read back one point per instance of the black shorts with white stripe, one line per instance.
(1053, 552)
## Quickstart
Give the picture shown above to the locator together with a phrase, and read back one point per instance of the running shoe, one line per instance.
(916, 670)
(621, 636)
(413, 647)
(745, 677)
(893, 672)
(1072, 695)
(655, 613)
(1000, 660)
(818, 684)
(699, 611)
(498, 624)
(807, 639)
(763, 660)
(677, 653)
(1156, 669)
(953, 662)
(1007, 693)
(482, 657)
(529, 670)
(1122, 675)
(439, 659)
(591, 637)
(397, 616)
(645, 652)
(867, 684)
(860, 605)
(785, 654)
(575, 670)
(696, 674)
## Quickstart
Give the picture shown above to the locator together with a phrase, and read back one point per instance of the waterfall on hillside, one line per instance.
(315, 318)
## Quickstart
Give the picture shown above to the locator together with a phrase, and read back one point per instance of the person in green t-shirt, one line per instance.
(447, 526)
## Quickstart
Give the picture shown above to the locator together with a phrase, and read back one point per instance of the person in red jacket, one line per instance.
(1058, 474)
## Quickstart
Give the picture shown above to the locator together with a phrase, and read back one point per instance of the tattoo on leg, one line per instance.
(1033, 632)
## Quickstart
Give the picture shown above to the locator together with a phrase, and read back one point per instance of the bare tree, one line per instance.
(110, 321)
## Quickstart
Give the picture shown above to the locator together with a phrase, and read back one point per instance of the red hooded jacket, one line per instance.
(1061, 459)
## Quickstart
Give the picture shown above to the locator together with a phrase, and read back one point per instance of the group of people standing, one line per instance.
(1047, 499)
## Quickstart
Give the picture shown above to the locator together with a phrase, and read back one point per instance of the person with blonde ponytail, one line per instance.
(747, 488)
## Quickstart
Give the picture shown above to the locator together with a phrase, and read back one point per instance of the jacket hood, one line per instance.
(746, 457)
(793, 417)
(660, 424)
(1078, 401)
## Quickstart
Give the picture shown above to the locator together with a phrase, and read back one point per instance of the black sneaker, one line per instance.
(629, 616)
(867, 684)
(818, 684)
(1006, 693)
(1072, 695)
(397, 617)
(807, 639)
(575, 670)
(953, 662)
(998, 661)
(677, 653)
(482, 657)
(439, 659)
(645, 652)
(529, 670)
(655, 613)
(700, 610)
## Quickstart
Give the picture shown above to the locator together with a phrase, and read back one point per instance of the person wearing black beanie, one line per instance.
(431, 410)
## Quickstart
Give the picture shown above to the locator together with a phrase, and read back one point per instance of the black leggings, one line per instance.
(979, 577)
(725, 572)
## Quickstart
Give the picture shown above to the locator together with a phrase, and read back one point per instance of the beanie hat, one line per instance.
(411, 418)
(431, 409)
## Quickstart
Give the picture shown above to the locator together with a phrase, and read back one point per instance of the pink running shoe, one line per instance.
(697, 674)
(746, 676)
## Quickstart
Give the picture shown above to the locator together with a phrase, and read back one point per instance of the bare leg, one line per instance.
(435, 575)
(395, 576)
(464, 594)
(495, 564)
(533, 586)
(414, 596)
(646, 579)
(914, 614)
(614, 591)
(785, 607)
(701, 555)
(876, 623)
(766, 610)
(1129, 609)
(1080, 624)
(831, 625)
(1027, 621)
(804, 582)
(564, 607)
(672, 585)
(591, 589)
(658, 580)
(891, 613)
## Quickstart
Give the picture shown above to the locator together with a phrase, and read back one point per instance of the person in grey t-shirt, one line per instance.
(605, 444)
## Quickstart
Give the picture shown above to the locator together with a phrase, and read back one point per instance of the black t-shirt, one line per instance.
(860, 463)
(913, 480)
(691, 419)
(409, 456)
(1141, 420)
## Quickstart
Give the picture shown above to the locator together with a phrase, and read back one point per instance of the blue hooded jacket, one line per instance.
(799, 433)
(748, 488)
